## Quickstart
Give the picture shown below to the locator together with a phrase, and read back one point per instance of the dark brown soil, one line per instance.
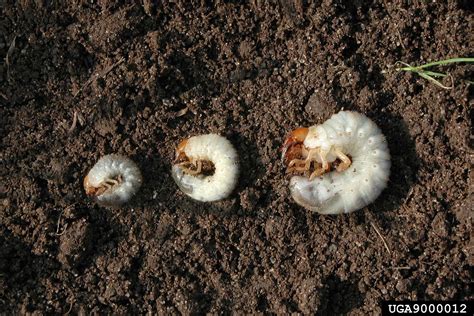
(140, 78)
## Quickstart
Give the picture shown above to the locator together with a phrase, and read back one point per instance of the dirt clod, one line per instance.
(75, 243)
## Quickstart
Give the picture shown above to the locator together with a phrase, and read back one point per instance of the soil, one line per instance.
(78, 81)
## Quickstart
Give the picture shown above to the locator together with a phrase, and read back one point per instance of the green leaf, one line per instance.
(447, 61)
(431, 75)
(433, 80)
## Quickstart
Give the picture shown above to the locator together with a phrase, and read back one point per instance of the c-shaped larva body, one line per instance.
(188, 173)
(113, 180)
(354, 141)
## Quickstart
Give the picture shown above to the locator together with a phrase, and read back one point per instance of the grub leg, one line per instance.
(303, 164)
(324, 166)
(187, 167)
(324, 162)
(107, 184)
(316, 173)
(346, 162)
(297, 165)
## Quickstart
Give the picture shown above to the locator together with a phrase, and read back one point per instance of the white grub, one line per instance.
(113, 180)
(350, 139)
(188, 173)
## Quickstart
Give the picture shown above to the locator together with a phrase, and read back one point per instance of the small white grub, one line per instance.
(358, 146)
(113, 180)
(188, 174)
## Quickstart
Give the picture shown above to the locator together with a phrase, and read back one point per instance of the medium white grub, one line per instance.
(188, 174)
(358, 146)
(113, 180)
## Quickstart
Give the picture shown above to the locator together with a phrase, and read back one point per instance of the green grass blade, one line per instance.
(433, 74)
(407, 67)
(447, 61)
(433, 80)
